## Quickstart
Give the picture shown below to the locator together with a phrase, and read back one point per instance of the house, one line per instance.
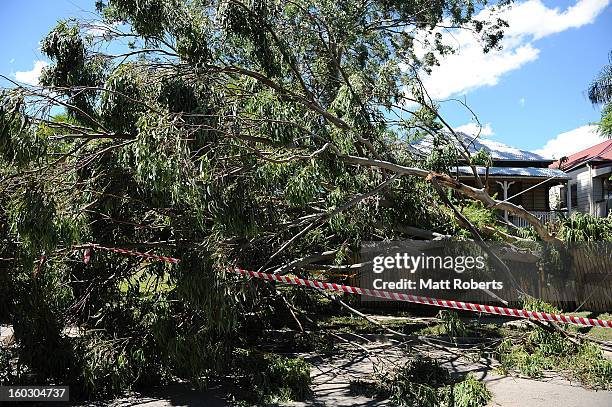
(522, 177)
(589, 174)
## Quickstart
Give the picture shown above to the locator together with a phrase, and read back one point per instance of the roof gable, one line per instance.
(598, 152)
(498, 151)
(513, 172)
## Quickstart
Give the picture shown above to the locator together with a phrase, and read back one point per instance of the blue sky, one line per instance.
(527, 95)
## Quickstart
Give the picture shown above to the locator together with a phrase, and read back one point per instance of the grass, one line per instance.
(536, 350)
(146, 283)
(602, 334)
(452, 326)
(584, 363)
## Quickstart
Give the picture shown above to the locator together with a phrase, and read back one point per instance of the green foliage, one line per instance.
(582, 227)
(118, 107)
(600, 92)
(423, 382)
(605, 124)
(273, 378)
(302, 188)
(556, 260)
(32, 216)
(579, 227)
(192, 44)
(148, 17)
(443, 154)
(479, 215)
(313, 342)
(248, 24)
(19, 144)
(74, 67)
(215, 132)
(65, 45)
(471, 393)
(542, 350)
(6, 368)
(481, 158)
(38, 325)
(178, 96)
(453, 326)
(112, 366)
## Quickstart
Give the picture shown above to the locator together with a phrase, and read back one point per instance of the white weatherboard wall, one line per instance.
(589, 189)
(585, 193)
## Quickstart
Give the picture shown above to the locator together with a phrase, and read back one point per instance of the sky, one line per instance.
(531, 94)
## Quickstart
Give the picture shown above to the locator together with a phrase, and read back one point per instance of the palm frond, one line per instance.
(600, 90)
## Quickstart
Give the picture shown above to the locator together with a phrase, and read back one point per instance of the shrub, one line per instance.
(452, 324)
(583, 227)
(6, 366)
(471, 393)
(542, 350)
(110, 366)
(271, 378)
(423, 382)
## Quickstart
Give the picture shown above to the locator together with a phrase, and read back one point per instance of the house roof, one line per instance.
(599, 152)
(498, 151)
(515, 172)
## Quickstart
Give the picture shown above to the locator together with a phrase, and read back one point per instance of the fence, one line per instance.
(544, 216)
(590, 283)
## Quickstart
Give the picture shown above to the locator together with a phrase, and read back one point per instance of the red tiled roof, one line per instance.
(599, 152)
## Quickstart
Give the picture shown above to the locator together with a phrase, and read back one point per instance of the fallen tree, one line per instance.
(269, 135)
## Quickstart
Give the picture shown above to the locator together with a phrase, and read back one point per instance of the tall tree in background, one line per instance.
(262, 133)
(600, 93)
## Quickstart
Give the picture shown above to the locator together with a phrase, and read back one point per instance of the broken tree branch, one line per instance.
(466, 190)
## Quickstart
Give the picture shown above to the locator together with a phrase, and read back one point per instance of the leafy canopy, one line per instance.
(220, 132)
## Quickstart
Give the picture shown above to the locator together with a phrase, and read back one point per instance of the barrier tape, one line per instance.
(459, 305)
(464, 306)
(41, 261)
(88, 247)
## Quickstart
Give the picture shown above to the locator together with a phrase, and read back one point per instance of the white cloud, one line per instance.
(570, 142)
(12, 60)
(472, 129)
(522, 102)
(31, 77)
(534, 18)
(469, 68)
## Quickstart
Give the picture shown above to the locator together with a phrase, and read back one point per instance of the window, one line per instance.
(562, 197)
(601, 188)
(574, 195)
(514, 190)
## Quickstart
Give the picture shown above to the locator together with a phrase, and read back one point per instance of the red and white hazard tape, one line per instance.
(460, 305)
(466, 306)
(91, 246)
